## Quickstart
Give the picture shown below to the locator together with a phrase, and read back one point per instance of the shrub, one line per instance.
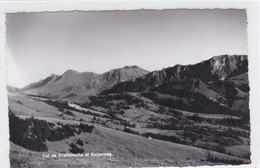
(195, 117)
(164, 137)
(128, 130)
(69, 113)
(79, 142)
(211, 158)
(75, 149)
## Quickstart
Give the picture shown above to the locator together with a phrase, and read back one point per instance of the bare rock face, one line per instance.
(222, 67)
(214, 69)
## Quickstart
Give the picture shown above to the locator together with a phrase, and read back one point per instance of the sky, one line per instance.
(39, 44)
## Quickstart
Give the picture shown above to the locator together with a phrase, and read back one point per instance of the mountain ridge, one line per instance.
(213, 69)
(220, 82)
(73, 83)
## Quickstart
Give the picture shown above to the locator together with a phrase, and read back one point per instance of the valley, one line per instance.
(180, 116)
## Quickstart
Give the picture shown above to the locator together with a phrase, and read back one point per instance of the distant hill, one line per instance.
(76, 84)
(13, 89)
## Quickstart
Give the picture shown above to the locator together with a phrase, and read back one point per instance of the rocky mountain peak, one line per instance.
(126, 73)
(70, 72)
(53, 75)
(130, 67)
(72, 82)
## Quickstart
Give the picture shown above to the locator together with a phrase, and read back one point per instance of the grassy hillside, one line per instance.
(122, 124)
(127, 150)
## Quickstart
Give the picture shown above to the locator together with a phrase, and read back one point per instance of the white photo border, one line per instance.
(252, 9)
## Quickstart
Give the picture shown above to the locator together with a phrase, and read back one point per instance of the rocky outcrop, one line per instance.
(214, 69)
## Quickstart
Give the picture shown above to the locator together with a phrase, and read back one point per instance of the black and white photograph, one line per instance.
(128, 88)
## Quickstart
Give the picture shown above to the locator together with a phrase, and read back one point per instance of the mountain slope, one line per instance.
(73, 83)
(216, 68)
(217, 82)
(50, 79)
(127, 73)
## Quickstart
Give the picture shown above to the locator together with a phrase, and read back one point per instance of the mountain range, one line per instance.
(223, 79)
(79, 85)
(219, 68)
